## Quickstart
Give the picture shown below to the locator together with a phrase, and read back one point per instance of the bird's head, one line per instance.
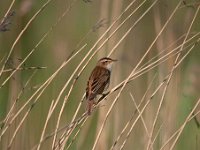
(106, 62)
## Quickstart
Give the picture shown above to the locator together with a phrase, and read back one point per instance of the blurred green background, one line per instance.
(84, 23)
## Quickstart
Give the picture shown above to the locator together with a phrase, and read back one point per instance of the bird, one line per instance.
(98, 81)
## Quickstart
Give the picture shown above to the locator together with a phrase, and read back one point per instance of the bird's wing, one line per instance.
(98, 80)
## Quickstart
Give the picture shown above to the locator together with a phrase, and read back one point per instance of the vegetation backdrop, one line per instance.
(48, 49)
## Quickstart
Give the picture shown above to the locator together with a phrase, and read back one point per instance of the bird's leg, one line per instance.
(104, 94)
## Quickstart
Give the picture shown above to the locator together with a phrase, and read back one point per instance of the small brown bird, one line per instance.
(98, 81)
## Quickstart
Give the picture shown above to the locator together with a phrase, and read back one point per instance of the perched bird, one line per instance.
(98, 81)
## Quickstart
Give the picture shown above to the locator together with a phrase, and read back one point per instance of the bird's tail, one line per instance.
(89, 106)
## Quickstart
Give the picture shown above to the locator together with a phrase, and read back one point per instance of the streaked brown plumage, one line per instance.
(98, 81)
